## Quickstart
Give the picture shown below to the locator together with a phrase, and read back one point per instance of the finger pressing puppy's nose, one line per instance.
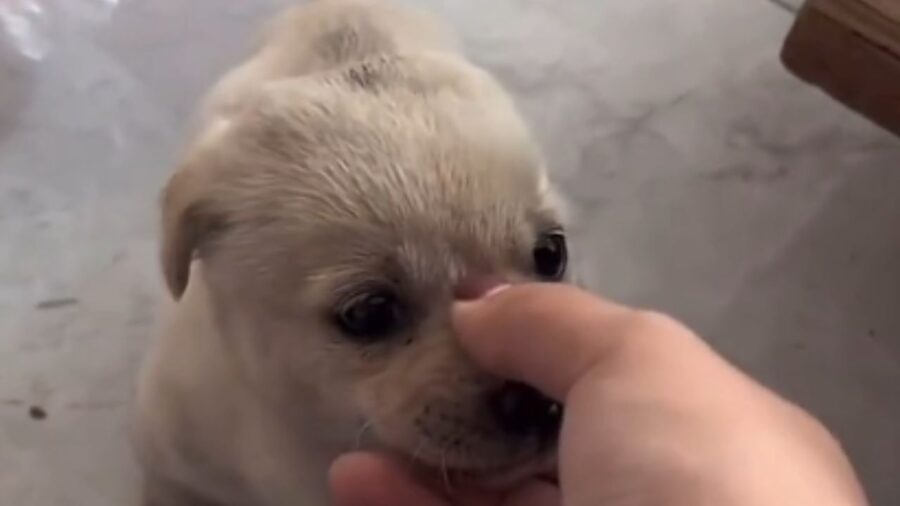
(477, 287)
(547, 335)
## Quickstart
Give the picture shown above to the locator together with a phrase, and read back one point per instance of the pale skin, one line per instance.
(654, 417)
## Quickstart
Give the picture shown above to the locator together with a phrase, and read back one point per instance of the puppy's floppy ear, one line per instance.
(187, 220)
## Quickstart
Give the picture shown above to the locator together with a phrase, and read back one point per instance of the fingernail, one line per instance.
(495, 290)
(468, 304)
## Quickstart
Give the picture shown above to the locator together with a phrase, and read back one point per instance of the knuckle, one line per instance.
(646, 322)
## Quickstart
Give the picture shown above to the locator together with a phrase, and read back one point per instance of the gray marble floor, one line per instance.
(788, 5)
(705, 181)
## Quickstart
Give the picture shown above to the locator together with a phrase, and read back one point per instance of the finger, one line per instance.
(546, 335)
(363, 479)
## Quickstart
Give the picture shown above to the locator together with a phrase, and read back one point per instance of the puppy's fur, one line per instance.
(356, 148)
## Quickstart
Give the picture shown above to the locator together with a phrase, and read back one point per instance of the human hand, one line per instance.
(653, 416)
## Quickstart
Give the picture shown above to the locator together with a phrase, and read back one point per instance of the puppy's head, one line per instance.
(337, 218)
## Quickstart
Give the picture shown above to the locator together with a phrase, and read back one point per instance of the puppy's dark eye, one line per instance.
(370, 316)
(550, 256)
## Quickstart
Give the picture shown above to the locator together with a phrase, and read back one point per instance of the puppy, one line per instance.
(344, 187)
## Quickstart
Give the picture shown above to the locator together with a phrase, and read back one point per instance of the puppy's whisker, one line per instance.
(417, 452)
(362, 432)
(445, 472)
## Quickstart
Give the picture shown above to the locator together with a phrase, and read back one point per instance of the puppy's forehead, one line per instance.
(392, 157)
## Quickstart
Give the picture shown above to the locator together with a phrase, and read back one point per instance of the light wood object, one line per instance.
(851, 49)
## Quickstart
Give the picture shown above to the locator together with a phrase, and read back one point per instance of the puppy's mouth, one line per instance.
(447, 470)
(453, 473)
(509, 436)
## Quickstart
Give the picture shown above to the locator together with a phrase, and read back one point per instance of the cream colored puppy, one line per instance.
(347, 183)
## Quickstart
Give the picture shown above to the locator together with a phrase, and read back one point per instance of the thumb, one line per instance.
(546, 335)
(364, 479)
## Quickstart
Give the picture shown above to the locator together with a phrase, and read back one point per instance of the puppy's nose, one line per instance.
(521, 411)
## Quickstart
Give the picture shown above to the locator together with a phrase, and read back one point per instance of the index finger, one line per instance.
(546, 335)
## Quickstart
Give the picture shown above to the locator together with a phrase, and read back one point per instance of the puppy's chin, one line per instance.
(543, 467)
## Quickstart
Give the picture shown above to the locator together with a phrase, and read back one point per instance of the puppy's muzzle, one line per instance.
(520, 411)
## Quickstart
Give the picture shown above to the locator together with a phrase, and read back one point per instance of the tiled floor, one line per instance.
(706, 182)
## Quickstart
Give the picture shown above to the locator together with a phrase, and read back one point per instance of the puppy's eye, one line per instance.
(550, 256)
(370, 316)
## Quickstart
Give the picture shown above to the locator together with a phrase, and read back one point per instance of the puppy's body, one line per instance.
(354, 150)
(206, 438)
